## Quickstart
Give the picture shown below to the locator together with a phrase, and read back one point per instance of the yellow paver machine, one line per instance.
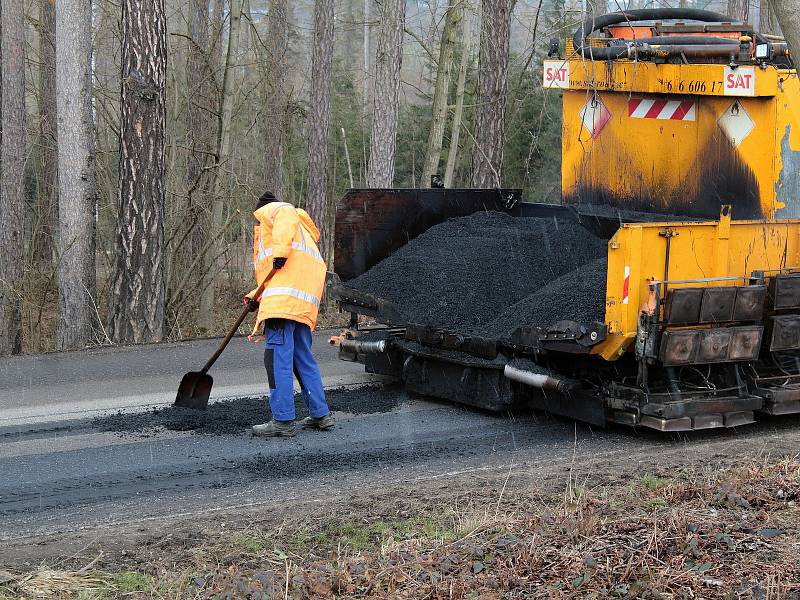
(673, 111)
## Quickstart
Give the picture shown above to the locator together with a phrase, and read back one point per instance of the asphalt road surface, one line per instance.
(62, 467)
(39, 386)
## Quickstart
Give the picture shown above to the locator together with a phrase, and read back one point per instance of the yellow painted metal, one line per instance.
(689, 166)
(699, 251)
(653, 78)
(739, 145)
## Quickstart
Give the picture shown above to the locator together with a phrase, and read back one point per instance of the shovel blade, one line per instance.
(194, 390)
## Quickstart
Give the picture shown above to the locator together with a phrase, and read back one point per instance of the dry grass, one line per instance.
(49, 583)
(731, 533)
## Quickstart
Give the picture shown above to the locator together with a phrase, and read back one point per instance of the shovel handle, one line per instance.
(236, 325)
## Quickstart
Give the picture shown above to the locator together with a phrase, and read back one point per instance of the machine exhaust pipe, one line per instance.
(364, 347)
(540, 381)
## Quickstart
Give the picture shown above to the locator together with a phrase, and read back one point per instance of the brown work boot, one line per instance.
(275, 429)
(322, 423)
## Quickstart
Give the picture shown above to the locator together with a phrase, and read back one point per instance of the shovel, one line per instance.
(195, 387)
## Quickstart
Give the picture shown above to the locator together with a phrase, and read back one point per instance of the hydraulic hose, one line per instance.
(689, 51)
(688, 40)
(592, 24)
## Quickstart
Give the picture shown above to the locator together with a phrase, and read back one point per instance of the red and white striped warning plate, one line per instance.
(626, 284)
(651, 108)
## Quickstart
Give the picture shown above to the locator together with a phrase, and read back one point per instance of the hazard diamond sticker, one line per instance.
(736, 123)
(595, 116)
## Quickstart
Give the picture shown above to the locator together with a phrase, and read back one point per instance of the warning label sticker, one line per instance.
(555, 74)
(740, 81)
(658, 108)
(736, 123)
(594, 116)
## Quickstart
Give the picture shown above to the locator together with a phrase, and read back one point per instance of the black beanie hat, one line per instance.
(265, 199)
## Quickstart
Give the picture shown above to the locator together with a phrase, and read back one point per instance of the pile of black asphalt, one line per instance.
(237, 415)
(467, 274)
(578, 295)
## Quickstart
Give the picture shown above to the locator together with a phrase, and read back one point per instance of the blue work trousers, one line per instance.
(287, 353)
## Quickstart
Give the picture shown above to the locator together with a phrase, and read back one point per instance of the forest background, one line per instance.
(137, 134)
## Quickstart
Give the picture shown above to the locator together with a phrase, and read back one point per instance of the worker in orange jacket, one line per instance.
(286, 240)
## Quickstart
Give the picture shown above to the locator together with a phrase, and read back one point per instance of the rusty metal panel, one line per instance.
(714, 345)
(784, 291)
(749, 303)
(745, 343)
(683, 306)
(679, 347)
(718, 303)
(784, 332)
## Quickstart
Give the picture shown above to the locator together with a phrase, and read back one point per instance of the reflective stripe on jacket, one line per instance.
(295, 291)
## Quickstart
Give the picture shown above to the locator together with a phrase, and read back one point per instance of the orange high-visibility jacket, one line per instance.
(295, 291)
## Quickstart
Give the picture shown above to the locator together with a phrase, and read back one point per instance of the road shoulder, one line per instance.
(680, 521)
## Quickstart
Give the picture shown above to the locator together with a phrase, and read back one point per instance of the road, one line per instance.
(81, 446)
(35, 387)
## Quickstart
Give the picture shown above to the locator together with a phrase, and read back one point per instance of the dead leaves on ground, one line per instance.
(728, 535)
(733, 535)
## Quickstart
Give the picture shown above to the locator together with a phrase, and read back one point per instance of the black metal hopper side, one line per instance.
(373, 223)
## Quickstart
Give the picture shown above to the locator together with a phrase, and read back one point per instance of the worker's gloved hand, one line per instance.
(251, 303)
(278, 262)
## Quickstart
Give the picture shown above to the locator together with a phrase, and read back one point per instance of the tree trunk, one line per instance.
(319, 122)
(77, 183)
(106, 70)
(487, 154)
(433, 154)
(198, 78)
(138, 288)
(768, 25)
(367, 49)
(276, 101)
(216, 262)
(12, 172)
(739, 10)
(787, 15)
(200, 69)
(455, 132)
(386, 99)
(217, 30)
(44, 233)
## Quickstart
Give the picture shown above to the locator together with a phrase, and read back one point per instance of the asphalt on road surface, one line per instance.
(72, 469)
